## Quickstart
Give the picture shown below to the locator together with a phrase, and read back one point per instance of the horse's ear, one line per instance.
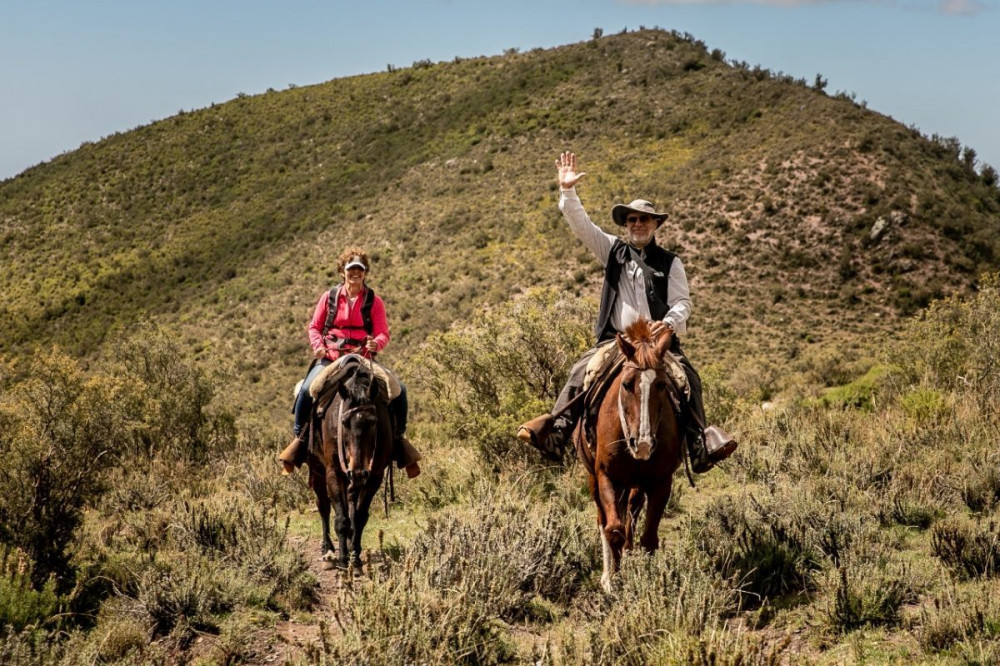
(627, 348)
(663, 344)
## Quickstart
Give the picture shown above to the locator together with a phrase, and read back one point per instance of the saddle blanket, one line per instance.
(608, 351)
(390, 384)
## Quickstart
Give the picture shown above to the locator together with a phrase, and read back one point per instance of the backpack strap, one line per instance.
(366, 314)
(366, 310)
(331, 309)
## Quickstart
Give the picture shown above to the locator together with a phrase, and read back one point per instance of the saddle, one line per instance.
(601, 372)
(326, 384)
(333, 374)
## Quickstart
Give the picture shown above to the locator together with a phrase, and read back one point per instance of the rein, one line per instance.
(621, 408)
(342, 415)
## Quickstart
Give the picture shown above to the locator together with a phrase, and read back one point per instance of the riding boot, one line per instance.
(406, 456)
(710, 445)
(293, 455)
(548, 434)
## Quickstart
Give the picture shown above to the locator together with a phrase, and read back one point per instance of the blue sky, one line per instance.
(78, 71)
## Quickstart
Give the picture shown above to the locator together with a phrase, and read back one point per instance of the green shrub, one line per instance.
(981, 486)
(869, 591)
(58, 432)
(503, 551)
(902, 508)
(190, 591)
(969, 549)
(924, 405)
(672, 593)
(963, 617)
(506, 556)
(403, 621)
(504, 368)
(173, 397)
(857, 394)
(20, 603)
(766, 546)
(31, 648)
(955, 344)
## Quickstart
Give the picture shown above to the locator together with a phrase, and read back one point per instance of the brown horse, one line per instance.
(637, 449)
(355, 448)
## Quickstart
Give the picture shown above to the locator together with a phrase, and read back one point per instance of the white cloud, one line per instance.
(964, 7)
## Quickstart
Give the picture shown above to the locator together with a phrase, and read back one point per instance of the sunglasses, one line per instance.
(632, 219)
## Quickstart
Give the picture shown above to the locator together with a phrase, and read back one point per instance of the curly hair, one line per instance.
(349, 254)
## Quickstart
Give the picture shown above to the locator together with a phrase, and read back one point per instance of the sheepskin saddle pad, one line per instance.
(335, 372)
(608, 352)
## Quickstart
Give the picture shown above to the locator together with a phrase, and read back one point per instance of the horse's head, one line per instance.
(643, 393)
(358, 427)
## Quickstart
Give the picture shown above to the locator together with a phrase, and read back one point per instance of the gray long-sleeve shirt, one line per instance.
(631, 303)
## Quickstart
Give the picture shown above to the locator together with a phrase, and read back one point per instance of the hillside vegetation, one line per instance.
(226, 221)
(157, 284)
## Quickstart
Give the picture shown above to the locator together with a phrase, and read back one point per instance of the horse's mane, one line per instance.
(640, 335)
(359, 386)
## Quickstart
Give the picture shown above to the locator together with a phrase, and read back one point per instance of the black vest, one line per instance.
(658, 259)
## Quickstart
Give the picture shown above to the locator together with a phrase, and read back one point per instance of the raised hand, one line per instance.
(568, 176)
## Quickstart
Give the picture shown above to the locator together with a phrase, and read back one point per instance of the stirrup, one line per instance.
(713, 445)
(719, 444)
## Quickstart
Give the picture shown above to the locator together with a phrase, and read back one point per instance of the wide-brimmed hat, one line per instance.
(620, 211)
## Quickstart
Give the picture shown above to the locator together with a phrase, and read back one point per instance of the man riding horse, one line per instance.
(641, 281)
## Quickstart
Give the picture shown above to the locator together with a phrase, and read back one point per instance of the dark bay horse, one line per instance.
(346, 468)
(637, 449)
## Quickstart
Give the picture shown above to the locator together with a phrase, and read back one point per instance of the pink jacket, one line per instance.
(347, 323)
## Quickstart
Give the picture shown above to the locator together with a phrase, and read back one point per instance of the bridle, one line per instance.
(631, 438)
(343, 416)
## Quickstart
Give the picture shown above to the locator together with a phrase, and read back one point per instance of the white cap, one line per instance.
(356, 262)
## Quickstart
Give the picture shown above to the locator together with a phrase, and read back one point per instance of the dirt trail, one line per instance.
(292, 636)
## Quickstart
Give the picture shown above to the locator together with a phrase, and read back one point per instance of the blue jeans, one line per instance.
(304, 402)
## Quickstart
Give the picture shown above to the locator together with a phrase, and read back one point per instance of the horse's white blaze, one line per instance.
(645, 446)
(608, 561)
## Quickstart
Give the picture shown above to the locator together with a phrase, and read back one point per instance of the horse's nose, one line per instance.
(644, 449)
(358, 477)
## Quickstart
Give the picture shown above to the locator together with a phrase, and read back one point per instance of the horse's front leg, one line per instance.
(318, 484)
(605, 546)
(635, 501)
(613, 534)
(650, 539)
(361, 514)
(341, 521)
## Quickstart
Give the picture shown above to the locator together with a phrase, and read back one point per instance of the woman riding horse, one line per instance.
(349, 318)
(355, 447)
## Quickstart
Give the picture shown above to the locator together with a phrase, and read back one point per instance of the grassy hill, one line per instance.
(141, 516)
(226, 221)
